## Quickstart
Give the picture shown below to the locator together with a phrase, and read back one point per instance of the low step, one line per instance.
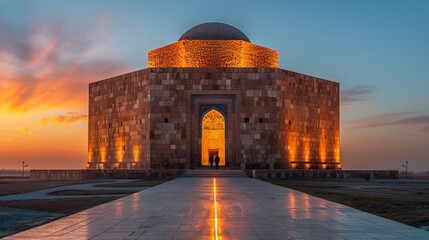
(213, 173)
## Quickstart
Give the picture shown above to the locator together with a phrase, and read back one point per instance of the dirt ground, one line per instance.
(67, 206)
(406, 202)
(137, 183)
(57, 206)
(14, 186)
(64, 206)
(89, 192)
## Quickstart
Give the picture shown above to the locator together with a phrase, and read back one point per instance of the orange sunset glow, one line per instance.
(43, 100)
(50, 51)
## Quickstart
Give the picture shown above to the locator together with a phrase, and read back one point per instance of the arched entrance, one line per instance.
(213, 137)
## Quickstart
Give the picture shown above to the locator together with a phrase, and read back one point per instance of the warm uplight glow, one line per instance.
(337, 148)
(90, 154)
(337, 154)
(136, 153)
(120, 146)
(213, 53)
(103, 153)
(216, 235)
(213, 137)
(322, 144)
(291, 149)
(306, 153)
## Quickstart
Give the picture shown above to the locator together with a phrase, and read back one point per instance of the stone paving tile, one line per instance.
(247, 209)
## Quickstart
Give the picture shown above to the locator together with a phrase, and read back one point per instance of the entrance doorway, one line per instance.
(213, 137)
(214, 152)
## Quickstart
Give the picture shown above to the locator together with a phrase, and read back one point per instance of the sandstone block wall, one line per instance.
(275, 118)
(118, 125)
(309, 121)
(175, 138)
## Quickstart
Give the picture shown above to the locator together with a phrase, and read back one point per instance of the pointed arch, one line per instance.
(213, 127)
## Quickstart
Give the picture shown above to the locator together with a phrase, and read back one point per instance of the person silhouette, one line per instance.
(211, 160)
(217, 160)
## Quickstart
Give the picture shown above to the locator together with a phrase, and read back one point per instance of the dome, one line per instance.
(214, 31)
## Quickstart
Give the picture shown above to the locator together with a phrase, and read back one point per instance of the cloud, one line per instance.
(14, 42)
(401, 119)
(26, 131)
(356, 94)
(48, 64)
(9, 137)
(69, 118)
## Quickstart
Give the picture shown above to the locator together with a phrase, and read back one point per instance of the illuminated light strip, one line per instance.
(215, 208)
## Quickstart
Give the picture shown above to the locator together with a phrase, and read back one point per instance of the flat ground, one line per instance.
(403, 201)
(222, 208)
(69, 206)
(51, 209)
(14, 186)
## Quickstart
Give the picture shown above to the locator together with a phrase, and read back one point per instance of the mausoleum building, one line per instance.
(213, 92)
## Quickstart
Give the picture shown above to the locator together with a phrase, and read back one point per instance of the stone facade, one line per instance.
(274, 118)
(309, 121)
(213, 53)
(119, 121)
(266, 117)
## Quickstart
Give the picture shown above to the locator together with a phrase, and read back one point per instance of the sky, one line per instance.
(377, 50)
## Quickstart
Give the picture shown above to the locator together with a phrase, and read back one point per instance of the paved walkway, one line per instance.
(246, 209)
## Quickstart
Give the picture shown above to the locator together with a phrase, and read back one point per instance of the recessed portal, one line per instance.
(213, 137)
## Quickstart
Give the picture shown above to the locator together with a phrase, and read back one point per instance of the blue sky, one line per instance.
(377, 50)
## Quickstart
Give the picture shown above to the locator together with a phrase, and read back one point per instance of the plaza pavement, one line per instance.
(246, 208)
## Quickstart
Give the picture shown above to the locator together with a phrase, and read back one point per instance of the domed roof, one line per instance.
(214, 31)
